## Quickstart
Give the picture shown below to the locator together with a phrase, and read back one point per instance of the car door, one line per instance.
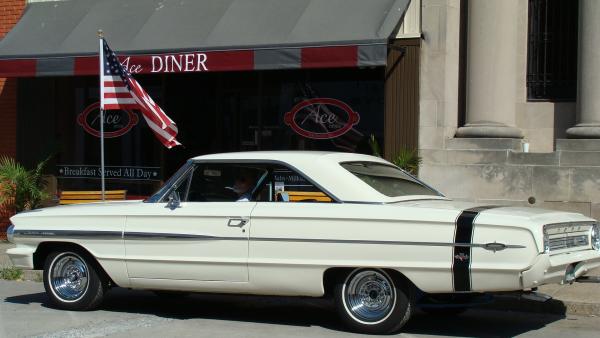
(202, 238)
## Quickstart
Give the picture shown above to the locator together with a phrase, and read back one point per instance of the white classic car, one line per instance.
(350, 226)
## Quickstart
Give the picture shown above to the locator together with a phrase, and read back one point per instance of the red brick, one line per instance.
(10, 12)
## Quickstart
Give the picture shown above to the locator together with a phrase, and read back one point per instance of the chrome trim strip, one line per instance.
(359, 241)
(79, 234)
(170, 236)
(133, 236)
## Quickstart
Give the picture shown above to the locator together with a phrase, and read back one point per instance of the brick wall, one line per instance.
(10, 13)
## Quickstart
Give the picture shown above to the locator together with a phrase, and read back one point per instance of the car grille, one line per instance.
(567, 242)
(567, 236)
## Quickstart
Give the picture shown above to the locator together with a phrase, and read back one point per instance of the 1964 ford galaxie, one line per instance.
(350, 226)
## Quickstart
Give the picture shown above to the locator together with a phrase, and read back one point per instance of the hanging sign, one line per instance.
(116, 122)
(321, 118)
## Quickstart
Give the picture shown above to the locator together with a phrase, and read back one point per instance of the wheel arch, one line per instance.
(333, 275)
(46, 248)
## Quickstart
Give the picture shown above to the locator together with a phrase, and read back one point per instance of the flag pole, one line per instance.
(101, 73)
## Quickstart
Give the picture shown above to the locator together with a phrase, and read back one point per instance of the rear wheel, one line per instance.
(72, 280)
(370, 301)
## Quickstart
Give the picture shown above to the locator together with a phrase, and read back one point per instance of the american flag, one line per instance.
(119, 90)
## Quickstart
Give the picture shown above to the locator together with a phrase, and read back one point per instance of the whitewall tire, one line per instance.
(72, 281)
(371, 301)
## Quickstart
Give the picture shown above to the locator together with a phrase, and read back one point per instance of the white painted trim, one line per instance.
(411, 25)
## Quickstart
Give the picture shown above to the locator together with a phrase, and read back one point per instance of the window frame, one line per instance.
(193, 164)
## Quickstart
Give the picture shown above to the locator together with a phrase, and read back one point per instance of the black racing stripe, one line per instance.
(461, 256)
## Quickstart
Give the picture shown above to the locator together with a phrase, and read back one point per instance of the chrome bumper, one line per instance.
(10, 233)
(21, 257)
(559, 269)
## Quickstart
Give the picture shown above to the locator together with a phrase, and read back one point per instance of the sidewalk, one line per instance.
(578, 298)
(4, 261)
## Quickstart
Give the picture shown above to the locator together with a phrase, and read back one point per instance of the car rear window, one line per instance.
(387, 179)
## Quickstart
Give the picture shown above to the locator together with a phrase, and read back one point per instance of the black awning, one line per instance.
(59, 38)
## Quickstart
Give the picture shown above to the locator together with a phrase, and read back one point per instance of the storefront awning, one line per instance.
(169, 36)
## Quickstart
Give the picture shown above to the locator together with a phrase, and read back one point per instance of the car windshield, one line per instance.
(165, 187)
(387, 179)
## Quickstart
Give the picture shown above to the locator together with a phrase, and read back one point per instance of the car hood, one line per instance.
(113, 208)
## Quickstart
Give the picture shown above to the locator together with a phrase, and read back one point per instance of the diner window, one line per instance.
(552, 50)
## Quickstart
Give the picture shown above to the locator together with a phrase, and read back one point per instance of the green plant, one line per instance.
(408, 160)
(375, 148)
(21, 189)
(38, 277)
(11, 273)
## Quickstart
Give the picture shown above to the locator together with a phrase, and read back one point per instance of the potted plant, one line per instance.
(20, 189)
(406, 159)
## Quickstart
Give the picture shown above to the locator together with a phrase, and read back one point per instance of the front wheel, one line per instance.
(72, 281)
(370, 301)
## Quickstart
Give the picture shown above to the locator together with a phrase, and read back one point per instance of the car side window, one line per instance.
(224, 182)
(284, 184)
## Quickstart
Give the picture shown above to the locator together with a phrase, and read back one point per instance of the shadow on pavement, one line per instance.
(479, 323)
(296, 311)
(31, 298)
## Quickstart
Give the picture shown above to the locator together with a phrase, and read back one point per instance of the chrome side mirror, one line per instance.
(174, 200)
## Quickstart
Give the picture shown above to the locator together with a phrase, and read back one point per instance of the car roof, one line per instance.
(322, 167)
(288, 155)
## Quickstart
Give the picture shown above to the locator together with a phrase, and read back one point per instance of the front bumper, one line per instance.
(22, 257)
(560, 268)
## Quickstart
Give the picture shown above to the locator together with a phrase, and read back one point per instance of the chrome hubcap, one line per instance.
(69, 277)
(369, 296)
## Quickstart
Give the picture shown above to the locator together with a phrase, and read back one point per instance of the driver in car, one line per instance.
(242, 187)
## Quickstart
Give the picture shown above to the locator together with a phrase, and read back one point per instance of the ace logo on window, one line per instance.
(321, 118)
(116, 122)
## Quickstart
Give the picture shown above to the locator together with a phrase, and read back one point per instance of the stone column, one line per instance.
(492, 74)
(588, 72)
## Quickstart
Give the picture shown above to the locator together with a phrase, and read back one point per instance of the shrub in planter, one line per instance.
(7, 206)
(408, 160)
(20, 189)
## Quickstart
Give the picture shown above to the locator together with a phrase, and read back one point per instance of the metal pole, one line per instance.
(102, 152)
(101, 72)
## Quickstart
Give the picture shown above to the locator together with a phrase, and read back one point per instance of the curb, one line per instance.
(551, 306)
(32, 275)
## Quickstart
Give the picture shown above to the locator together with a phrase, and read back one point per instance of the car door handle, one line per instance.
(237, 222)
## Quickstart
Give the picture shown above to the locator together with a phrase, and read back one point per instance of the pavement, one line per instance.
(25, 312)
(575, 299)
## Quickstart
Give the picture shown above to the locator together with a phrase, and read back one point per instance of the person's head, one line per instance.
(243, 183)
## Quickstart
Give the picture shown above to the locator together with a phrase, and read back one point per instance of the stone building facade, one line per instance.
(482, 134)
(499, 119)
